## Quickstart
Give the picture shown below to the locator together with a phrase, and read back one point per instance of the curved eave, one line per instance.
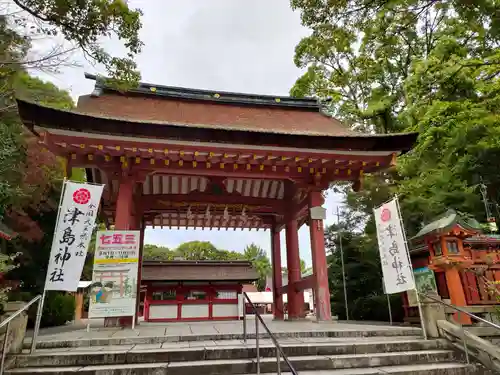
(37, 115)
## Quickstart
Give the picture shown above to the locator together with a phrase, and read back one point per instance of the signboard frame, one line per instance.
(116, 258)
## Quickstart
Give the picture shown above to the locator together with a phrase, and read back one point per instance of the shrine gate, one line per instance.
(175, 157)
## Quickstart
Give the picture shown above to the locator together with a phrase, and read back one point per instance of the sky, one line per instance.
(227, 45)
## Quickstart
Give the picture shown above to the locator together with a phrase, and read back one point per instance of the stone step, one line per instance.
(129, 337)
(161, 369)
(452, 368)
(153, 354)
(248, 366)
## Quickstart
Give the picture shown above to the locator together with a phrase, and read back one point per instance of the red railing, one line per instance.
(478, 286)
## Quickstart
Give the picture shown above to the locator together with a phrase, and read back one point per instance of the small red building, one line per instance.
(194, 290)
(465, 263)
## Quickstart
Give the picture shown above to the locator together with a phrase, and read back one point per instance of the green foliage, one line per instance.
(12, 158)
(192, 250)
(28, 177)
(58, 309)
(197, 250)
(366, 299)
(155, 252)
(46, 93)
(85, 23)
(260, 262)
(425, 66)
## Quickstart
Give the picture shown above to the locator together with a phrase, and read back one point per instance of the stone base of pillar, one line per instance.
(119, 321)
(334, 319)
(298, 319)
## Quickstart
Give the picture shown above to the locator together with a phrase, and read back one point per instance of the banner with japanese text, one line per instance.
(75, 223)
(396, 267)
(114, 279)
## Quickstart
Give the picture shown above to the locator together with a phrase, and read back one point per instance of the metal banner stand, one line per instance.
(39, 312)
(390, 309)
(343, 266)
(422, 322)
(388, 301)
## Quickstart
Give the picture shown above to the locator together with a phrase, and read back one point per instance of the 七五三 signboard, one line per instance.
(113, 290)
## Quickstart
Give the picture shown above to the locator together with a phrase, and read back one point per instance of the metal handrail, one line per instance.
(7, 322)
(279, 350)
(462, 311)
(491, 324)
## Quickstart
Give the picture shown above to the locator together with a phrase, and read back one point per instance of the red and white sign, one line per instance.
(396, 266)
(75, 224)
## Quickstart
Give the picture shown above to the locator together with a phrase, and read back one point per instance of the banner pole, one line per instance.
(39, 314)
(38, 320)
(389, 307)
(343, 267)
(422, 322)
(388, 301)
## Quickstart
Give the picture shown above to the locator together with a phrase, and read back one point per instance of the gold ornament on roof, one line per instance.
(153, 89)
(216, 96)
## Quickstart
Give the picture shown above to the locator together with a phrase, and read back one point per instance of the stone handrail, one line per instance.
(483, 350)
(14, 324)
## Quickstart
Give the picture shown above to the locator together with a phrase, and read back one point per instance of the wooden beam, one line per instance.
(304, 283)
(161, 201)
(256, 172)
(142, 148)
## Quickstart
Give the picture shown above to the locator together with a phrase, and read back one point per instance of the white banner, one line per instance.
(75, 223)
(114, 280)
(396, 267)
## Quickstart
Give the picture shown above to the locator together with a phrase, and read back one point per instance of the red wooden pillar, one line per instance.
(320, 267)
(277, 279)
(457, 294)
(295, 299)
(124, 204)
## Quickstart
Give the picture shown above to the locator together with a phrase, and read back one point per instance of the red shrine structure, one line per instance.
(175, 157)
(465, 264)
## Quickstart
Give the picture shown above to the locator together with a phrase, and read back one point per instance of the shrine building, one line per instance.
(465, 265)
(187, 290)
(173, 157)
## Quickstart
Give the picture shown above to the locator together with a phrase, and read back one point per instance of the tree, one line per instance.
(260, 262)
(363, 275)
(155, 252)
(83, 23)
(197, 250)
(426, 66)
(360, 54)
(29, 177)
(454, 110)
(414, 66)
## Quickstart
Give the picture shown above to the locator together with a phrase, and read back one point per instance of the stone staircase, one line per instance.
(312, 353)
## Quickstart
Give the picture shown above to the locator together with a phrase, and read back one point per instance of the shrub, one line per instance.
(58, 309)
(18, 295)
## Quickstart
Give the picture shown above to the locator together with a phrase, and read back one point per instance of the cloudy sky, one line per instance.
(232, 45)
